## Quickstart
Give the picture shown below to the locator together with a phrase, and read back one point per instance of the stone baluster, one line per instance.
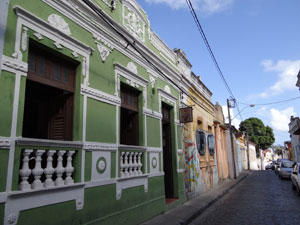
(126, 164)
(131, 164)
(136, 163)
(69, 168)
(122, 164)
(25, 172)
(38, 171)
(140, 163)
(59, 170)
(49, 170)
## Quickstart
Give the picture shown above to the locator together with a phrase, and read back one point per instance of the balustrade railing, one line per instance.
(45, 169)
(131, 164)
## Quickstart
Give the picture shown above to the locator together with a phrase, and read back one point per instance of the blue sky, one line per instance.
(256, 43)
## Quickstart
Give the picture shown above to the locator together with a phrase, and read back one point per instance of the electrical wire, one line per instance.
(272, 103)
(108, 21)
(190, 5)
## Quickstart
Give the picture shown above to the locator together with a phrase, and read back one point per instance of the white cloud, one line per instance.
(287, 76)
(206, 6)
(235, 122)
(281, 119)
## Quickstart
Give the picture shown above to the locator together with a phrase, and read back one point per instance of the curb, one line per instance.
(208, 204)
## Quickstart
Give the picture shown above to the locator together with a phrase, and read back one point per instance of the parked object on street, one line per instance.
(285, 169)
(269, 166)
(295, 177)
(277, 164)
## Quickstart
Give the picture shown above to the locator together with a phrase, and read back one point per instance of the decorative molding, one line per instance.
(57, 45)
(48, 143)
(24, 39)
(132, 67)
(152, 81)
(132, 147)
(99, 95)
(124, 183)
(14, 65)
(104, 51)
(167, 89)
(101, 165)
(24, 200)
(53, 33)
(132, 79)
(100, 146)
(154, 162)
(98, 183)
(154, 149)
(152, 113)
(133, 21)
(4, 143)
(75, 54)
(179, 151)
(59, 23)
(164, 50)
(38, 36)
(125, 72)
(156, 174)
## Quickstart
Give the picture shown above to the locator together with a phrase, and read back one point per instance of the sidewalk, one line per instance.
(184, 214)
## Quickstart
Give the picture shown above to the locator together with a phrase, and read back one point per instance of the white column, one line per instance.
(49, 170)
(69, 169)
(59, 170)
(25, 172)
(38, 171)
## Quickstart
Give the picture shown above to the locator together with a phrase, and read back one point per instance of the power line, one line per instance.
(272, 103)
(190, 5)
(195, 17)
(108, 21)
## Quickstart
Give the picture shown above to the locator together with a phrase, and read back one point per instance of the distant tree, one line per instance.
(277, 149)
(258, 133)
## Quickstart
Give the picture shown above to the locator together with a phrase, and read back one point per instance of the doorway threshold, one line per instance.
(170, 200)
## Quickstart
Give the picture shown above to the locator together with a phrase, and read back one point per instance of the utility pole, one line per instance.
(248, 157)
(231, 140)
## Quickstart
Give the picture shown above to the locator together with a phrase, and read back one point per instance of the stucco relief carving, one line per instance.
(152, 81)
(38, 36)
(167, 89)
(132, 67)
(104, 52)
(59, 23)
(24, 39)
(133, 23)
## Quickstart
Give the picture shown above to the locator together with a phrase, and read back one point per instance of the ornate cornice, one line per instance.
(152, 113)
(4, 143)
(100, 96)
(100, 146)
(13, 65)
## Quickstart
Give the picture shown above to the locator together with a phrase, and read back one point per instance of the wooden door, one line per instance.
(167, 152)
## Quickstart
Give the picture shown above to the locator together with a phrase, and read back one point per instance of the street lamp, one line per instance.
(251, 105)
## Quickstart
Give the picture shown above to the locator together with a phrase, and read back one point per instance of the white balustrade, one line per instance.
(39, 177)
(130, 164)
(38, 171)
(25, 172)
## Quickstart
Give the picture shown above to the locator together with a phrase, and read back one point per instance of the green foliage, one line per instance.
(258, 133)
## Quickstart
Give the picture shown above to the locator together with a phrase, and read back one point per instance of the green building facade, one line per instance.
(89, 115)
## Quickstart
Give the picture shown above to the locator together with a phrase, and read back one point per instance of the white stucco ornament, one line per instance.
(167, 89)
(59, 23)
(104, 52)
(152, 81)
(132, 67)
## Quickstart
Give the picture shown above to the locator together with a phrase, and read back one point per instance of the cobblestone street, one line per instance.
(262, 198)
